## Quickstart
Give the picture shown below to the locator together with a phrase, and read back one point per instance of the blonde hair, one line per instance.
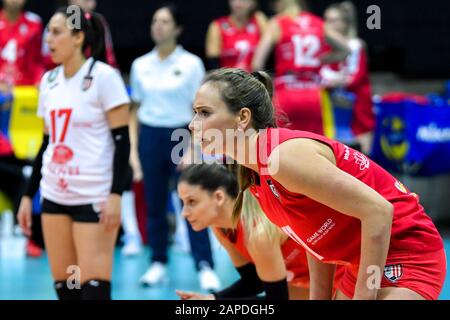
(255, 221)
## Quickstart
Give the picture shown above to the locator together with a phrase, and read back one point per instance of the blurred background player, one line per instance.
(231, 40)
(352, 74)
(84, 158)
(163, 83)
(266, 259)
(302, 45)
(20, 65)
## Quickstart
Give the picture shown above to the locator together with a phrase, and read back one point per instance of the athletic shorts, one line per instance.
(302, 109)
(82, 213)
(423, 273)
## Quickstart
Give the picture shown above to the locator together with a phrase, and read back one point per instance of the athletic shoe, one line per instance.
(209, 281)
(33, 250)
(155, 274)
(131, 247)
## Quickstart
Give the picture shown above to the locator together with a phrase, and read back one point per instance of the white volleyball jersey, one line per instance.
(78, 163)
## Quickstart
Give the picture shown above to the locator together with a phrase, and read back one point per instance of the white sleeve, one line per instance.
(42, 93)
(136, 92)
(112, 90)
(197, 77)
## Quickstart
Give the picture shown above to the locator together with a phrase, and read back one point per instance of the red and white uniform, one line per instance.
(355, 67)
(333, 237)
(294, 256)
(20, 49)
(297, 67)
(77, 165)
(238, 44)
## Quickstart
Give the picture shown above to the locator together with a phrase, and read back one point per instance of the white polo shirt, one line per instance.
(165, 89)
(78, 162)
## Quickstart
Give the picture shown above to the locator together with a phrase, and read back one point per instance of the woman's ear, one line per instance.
(245, 118)
(79, 38)
(219, 197)
(179, 31)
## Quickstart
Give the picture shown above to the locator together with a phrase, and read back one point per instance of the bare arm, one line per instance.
(308, 167)
(262, 21)
(119, 116)
(213, 41)
(134, 154)
(268, 258)
(265, 46)
(321, 277)
(339, 45)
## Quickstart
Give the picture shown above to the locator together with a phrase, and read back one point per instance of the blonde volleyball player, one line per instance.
(83, 159)
(264, 257)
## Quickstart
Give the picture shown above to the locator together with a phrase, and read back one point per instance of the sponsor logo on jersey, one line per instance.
(362, 160)
(401, 187)
(62, 184)
(62, 154)
(393, 272)
(177, 72)
(346, 153)
(273, 189)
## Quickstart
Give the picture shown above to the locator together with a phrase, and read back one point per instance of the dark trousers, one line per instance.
(155, 148)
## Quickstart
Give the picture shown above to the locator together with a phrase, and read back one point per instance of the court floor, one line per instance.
(23, 278)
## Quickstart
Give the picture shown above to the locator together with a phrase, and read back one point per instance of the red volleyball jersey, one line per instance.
(20, 49)
(293, 254)
(298, 52)
(238, 44)
(327, 234)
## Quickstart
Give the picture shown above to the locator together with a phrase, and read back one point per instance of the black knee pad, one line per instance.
(96, 290)
(65, 293)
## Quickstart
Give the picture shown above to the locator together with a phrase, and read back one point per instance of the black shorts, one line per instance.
(81, 213)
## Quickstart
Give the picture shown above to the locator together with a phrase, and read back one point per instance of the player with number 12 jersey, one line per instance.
(302, 46)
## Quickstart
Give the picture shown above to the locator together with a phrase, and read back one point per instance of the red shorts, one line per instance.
(423, 273)
(299, 109)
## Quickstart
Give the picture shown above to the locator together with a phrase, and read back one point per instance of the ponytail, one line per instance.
(96, 36)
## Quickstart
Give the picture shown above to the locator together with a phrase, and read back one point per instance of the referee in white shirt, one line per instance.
(163, 83)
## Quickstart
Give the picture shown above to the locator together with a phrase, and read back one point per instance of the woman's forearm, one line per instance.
(375, 238)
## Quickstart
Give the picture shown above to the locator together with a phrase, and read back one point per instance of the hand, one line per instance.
(185, 295)
(24, 215)
(110, 215)
(137, 169)
(138, 175)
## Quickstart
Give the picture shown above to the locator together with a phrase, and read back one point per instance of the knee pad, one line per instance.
(96, 290)
(65, 293)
